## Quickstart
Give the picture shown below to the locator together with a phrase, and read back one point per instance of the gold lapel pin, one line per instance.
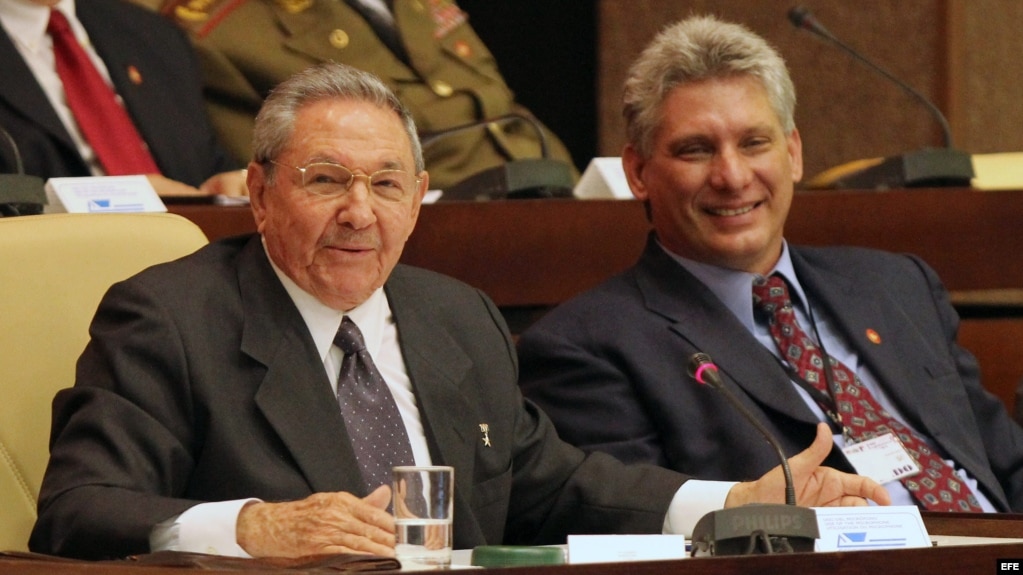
(485, 429)
(134, 75)
(873, 336)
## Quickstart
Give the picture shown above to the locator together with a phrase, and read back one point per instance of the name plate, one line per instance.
(620, 548)
(873, 527)
(604, 178)
(106, 194)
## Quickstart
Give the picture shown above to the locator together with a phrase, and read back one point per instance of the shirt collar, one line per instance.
(323, 321)
(735, 288)
(26, 21)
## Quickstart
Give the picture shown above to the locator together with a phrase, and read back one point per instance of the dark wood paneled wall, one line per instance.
(566, 59)
(844, 110)
(965, 55)
(986, 68)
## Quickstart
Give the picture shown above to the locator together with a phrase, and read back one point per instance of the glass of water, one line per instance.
(423, 512)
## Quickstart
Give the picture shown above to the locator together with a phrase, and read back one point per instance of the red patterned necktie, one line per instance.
(103, 121)
(936, 487)
(371, 416)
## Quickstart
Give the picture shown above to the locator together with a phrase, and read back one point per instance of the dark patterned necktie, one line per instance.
(371, 417)
(936, 487)
(105, 124)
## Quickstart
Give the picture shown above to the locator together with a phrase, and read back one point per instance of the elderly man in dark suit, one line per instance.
(231, 375)
(862, 340)
(152, 69)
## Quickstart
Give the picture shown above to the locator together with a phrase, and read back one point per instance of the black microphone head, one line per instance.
(699, 364)
(797, 15)
(801, 17)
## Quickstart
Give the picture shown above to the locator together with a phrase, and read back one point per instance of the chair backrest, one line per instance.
(53, 271)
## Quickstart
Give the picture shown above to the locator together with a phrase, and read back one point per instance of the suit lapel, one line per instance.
(856, 313)
(23, 94)
(437, 367)
(127, 74)
(699, 317)
(294, 396)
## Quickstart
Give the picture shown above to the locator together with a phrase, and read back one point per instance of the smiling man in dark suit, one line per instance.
(713, 152)
(211, 410)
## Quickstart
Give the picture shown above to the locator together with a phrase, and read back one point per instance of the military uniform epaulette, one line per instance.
(202, 16)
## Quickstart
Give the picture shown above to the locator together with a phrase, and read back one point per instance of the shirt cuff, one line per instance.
(692, 501)
(206, 528)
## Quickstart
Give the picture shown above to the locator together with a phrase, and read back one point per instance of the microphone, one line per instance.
(753, 528)
(516, 179)
(927, 167)
(703, 370)
(20, 194)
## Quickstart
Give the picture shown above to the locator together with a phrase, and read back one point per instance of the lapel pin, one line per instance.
(485, 429)
(134, 75)
(873, 336)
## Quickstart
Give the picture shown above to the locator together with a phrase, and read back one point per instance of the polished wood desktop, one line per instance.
(967, 560)
(529, 255)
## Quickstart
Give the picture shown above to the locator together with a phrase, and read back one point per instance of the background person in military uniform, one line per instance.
(424, 50)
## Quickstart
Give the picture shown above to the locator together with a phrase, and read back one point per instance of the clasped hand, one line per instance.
(323, 523)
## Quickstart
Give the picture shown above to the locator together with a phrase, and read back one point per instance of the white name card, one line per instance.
(873, 527)
(106, 194)
(603, 179)
(621, 548)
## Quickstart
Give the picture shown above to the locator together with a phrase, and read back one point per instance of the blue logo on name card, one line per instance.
(858, 539)
(105, 205)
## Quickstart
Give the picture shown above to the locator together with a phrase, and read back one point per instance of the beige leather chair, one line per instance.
(53, 271)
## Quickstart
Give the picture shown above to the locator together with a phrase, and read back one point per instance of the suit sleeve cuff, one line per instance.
(206, 528)
(692, 501)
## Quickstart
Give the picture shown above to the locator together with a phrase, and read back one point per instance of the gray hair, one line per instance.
(275, 122)
(699, 48)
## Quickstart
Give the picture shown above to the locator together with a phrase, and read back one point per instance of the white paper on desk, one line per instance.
(619, 548)
(102, 194)
(222, 200)
(873, 527)
(604, 178)
(432, 196)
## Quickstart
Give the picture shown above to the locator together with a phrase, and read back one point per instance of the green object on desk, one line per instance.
(516, 556)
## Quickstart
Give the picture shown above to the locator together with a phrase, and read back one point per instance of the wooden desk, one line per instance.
(540, 252)
(976, 559)
(529, 255)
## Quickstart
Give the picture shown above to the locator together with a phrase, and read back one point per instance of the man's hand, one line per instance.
(816, 486)
(321, 523)
(165, 186)
(226, 184)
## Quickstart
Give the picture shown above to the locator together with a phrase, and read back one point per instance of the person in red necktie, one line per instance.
(104, 87)
(862, 340)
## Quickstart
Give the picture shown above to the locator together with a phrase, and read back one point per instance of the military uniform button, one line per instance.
(442, 89)
(339, 38)
(295, 6)
(463, 49)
